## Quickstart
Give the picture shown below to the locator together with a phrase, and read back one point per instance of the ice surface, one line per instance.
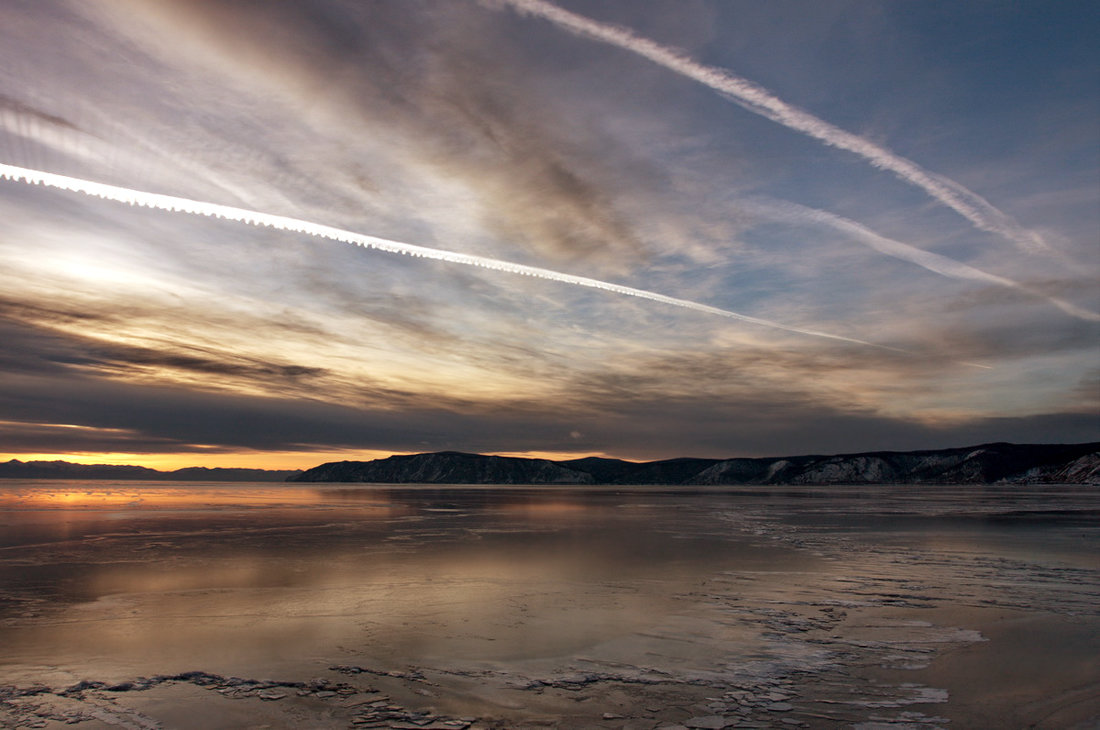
(155, 606)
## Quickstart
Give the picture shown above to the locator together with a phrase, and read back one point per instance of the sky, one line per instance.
(756, 228)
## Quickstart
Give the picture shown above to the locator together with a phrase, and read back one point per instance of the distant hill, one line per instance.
(448, 467)
(998, 463)
(16, 469)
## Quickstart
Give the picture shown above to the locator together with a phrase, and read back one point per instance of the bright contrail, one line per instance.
(934, 262)
(213, 210)
(976, 209)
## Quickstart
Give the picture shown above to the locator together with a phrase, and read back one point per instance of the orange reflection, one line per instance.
(544, 509)
(147, 496)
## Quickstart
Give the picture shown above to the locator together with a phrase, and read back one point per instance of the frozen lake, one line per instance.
(194, 605)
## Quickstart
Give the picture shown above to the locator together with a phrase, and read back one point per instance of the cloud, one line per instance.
(37, 347)
(160, 419)
(742, 400)
(430, 89)
(36, 126)
(936, 263)
(758, 100)
(175, 204)
(15, 114)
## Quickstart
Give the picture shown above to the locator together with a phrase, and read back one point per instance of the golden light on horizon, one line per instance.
(271, 460)
(169, 461)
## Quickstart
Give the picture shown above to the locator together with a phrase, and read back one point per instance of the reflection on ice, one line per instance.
(71, 495)
(510, 606)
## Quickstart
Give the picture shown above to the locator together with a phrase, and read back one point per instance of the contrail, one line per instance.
(213, 210)
(933, 262)
(976, 209)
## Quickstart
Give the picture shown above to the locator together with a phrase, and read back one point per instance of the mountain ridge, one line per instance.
(993, 463)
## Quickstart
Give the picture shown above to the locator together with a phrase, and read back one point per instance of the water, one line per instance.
(535, 606)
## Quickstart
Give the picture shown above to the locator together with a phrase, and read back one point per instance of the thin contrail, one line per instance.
(934, 262)
(976, 209)
(197, 207)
